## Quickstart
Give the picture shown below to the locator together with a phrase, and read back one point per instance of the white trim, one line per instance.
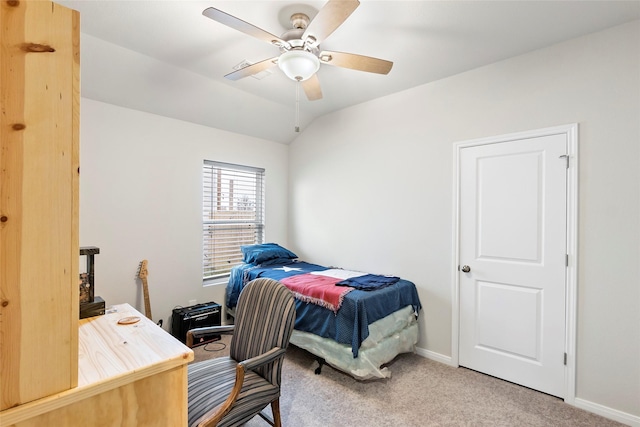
(437, 357)
(572, 268)
(571, 132)
(455, 277)
(605, 411)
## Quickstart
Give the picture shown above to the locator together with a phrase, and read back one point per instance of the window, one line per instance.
(233, 214)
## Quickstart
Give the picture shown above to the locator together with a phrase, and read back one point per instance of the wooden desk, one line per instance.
(128, 375)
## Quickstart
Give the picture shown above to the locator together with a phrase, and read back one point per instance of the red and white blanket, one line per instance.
(319, 287)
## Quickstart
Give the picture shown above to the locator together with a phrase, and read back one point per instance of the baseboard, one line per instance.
(605, 411)
(432, 355)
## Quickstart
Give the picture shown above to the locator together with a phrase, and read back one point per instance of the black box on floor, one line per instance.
(90, 309)
(195, 316)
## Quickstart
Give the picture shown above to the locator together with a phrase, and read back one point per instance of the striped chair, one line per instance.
(229, 391)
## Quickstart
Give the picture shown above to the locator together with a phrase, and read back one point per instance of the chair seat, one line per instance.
(210, 383)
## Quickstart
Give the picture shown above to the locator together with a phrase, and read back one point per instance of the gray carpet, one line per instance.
(420, 392)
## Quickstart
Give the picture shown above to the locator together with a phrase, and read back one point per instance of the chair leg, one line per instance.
(275, 410)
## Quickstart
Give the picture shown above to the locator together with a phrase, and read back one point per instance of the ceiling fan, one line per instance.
(300, 55)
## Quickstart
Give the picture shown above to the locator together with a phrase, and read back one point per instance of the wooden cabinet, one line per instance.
(39, 124)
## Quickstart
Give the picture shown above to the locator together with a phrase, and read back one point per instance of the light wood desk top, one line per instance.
(111, 355)
(109, 350)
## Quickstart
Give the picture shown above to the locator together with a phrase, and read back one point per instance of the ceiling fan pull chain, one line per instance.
(297, 127)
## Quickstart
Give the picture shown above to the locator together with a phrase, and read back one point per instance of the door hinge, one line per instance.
(566, 158)
(565, 359)
(566, 260)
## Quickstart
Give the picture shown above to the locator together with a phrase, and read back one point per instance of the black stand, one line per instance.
(321, 363)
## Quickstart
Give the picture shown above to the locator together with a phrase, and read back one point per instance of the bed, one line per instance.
(354, 321)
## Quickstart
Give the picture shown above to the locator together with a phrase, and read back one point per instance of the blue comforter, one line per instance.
(359, 308)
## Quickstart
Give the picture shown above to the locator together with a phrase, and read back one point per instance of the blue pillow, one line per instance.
(258, 254)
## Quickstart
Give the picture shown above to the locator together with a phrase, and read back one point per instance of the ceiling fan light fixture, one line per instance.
(298, 65)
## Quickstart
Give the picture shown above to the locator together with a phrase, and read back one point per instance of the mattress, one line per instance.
(392, 335)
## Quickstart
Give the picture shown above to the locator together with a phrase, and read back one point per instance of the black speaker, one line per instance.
(195, 316)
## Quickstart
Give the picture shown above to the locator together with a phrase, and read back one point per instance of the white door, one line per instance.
(513, 208)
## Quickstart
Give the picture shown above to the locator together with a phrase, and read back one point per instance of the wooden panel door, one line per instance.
(39, 254)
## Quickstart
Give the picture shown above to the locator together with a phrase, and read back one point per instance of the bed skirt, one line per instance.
(397, 333)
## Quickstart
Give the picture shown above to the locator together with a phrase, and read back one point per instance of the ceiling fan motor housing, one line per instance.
(299, 23)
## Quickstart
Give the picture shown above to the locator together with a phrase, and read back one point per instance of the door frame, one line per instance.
(571, 133)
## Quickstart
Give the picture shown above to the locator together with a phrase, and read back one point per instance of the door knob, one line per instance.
(465, 269)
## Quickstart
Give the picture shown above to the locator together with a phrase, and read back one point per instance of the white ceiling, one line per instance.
(426, 40)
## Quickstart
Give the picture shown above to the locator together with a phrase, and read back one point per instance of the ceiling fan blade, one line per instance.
(329, 18)
(356, 62)
(253, 69)
(242, 26)
(312, 88)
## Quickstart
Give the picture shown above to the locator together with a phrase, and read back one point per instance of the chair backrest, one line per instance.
(265, 317)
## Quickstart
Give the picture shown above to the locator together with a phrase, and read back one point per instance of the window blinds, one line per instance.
(233, 214)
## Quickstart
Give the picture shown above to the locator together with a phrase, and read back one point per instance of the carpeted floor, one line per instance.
(420, 392)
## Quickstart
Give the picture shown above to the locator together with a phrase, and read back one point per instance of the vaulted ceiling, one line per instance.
(166, 58)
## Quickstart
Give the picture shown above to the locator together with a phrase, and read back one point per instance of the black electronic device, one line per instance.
(195, 316)
(93, 308)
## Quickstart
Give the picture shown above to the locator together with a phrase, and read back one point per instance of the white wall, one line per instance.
(371, 189)
(141, 198)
